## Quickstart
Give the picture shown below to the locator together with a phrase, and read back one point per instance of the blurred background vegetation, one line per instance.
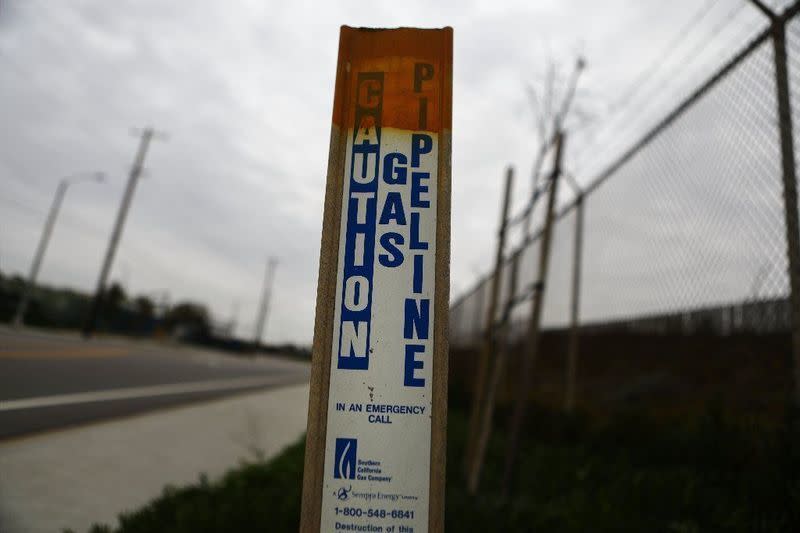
(132, 315)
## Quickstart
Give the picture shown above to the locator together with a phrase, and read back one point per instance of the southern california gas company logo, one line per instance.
(344, 462)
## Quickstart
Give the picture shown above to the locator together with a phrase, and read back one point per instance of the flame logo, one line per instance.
(345, 458)
(344, 464)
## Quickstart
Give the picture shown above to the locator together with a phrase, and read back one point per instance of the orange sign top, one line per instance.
(403, 70)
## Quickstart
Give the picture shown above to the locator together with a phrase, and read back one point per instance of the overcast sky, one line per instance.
(244, 91)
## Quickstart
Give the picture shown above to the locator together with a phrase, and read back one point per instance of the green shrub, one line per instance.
(256, 497)
(630, 474)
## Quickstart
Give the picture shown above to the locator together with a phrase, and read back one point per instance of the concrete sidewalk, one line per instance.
(76, 477)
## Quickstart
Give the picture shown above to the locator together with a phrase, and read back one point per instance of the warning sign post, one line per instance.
(375, 449)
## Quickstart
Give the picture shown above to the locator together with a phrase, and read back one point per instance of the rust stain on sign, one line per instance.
(408, 58)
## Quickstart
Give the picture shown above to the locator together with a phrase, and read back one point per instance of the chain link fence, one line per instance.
(684, 248)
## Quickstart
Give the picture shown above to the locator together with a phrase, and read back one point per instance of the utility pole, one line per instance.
(133, 178)
(19, 317)
(266, 294)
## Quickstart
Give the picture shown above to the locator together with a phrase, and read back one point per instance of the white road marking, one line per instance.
(138, 392)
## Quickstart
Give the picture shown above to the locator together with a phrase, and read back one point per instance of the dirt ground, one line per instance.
(743, 375)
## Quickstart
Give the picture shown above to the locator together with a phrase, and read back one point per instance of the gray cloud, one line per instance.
(245, 94)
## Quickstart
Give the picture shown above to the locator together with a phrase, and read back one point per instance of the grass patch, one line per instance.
(635, 474)
(631, 473)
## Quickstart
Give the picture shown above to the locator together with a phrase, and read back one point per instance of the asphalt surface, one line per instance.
(50, 381)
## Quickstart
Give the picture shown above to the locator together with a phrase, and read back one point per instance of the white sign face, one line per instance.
(377, 459)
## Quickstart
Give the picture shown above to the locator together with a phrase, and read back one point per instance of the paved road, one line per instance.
(49, 381)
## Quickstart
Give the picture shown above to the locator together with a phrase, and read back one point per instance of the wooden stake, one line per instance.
(495, 377)
(532, 343)
(378, 394)
(487, 345)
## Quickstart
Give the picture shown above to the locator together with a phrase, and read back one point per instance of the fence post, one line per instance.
(532, 343)
(493, 382)
(789, 190)
(574, 334)
(488, 333)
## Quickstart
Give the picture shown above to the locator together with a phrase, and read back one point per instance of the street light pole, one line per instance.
(265, 298)
(136, 171)
(22, 307)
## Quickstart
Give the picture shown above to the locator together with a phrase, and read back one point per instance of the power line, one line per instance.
(70, 220)
(30, 209)
(645, 103)
(646, 74)
(700, 47)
